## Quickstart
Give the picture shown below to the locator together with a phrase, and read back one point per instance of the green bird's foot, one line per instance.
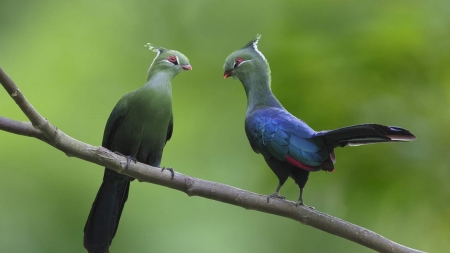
(275, 195)
(169, 169)
(129, 159)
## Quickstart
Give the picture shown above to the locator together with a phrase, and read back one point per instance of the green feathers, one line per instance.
(138, 127)
(169, 61)
(247, 60)
(250, 66)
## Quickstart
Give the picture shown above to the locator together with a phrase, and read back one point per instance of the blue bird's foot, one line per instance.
(299, 203)
(129, 159)
(275, 195)
(169, 169)
(300, 199)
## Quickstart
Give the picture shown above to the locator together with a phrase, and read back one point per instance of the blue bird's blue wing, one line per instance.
(276, 133)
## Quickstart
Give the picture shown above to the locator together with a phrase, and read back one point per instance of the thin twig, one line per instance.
(41, 129)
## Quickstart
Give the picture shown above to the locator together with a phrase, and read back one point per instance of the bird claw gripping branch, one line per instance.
(129, 159)
(169, 169)
(275, 196)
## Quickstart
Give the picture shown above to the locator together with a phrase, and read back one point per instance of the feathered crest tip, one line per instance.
(256, 40)
(254, 43)
(157, 50)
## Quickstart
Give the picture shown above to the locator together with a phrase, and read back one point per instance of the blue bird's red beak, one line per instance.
(227, 74)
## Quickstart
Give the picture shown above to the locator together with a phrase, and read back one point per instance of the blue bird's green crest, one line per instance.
(166, 60)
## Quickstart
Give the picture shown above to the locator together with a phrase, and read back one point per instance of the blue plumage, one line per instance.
(275, 132)
(290, 147)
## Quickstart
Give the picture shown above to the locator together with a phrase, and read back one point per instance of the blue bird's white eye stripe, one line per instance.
(238, 62)
(245, 62)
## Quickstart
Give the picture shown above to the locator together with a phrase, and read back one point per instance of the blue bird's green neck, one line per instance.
(259, 95)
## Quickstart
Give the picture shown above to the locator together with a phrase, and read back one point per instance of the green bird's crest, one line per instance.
(166, 60)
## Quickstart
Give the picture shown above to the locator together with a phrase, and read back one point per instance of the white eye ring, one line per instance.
(168, 61)
(177, 62)
(242, 62)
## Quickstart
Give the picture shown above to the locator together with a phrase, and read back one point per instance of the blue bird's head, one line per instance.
(246, 62)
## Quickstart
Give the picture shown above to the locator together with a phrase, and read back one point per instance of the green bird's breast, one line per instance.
(143, 128)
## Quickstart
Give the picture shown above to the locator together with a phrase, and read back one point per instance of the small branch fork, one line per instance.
(40, 128)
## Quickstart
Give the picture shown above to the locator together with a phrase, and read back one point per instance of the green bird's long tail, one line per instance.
(106, 210)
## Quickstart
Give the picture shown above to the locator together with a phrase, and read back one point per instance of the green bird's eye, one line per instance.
(173, 59)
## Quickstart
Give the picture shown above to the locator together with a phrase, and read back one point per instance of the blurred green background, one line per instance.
(334, 63)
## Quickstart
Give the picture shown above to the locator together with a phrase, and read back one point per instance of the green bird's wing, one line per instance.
(170, 129)
(114, 120)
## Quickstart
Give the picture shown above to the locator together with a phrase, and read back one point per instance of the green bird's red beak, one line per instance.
(227, 74)
(187, 67)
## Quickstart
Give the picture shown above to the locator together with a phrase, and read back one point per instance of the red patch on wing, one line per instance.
(298, 164)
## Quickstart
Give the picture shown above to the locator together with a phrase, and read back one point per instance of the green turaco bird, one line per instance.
(290, 147)
(139, 126)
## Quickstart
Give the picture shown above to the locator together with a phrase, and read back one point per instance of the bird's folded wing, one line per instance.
(284, 139)
(114, 120)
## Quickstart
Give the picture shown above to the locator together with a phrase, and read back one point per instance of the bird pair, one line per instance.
(142, 122)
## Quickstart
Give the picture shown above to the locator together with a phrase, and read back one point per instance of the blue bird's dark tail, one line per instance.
(364, 134)
(106, 210)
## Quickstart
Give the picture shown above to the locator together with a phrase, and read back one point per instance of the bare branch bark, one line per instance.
(40, 128)
(20, 128)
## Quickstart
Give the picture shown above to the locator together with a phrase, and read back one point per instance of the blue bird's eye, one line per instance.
(238, 62)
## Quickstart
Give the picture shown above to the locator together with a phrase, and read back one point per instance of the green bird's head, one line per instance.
(170, 61)
(247, 63)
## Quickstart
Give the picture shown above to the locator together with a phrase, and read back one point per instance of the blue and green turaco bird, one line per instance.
(139, 126)
(289, 146)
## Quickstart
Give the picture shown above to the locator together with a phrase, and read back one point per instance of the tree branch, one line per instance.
(20, 128)
(41, 129)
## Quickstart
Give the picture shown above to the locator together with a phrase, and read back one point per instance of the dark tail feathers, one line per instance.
(364, 134)
(106, 210)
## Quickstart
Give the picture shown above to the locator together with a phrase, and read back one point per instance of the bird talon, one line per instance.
(275, 196)
(129, 158)
(169, 169)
